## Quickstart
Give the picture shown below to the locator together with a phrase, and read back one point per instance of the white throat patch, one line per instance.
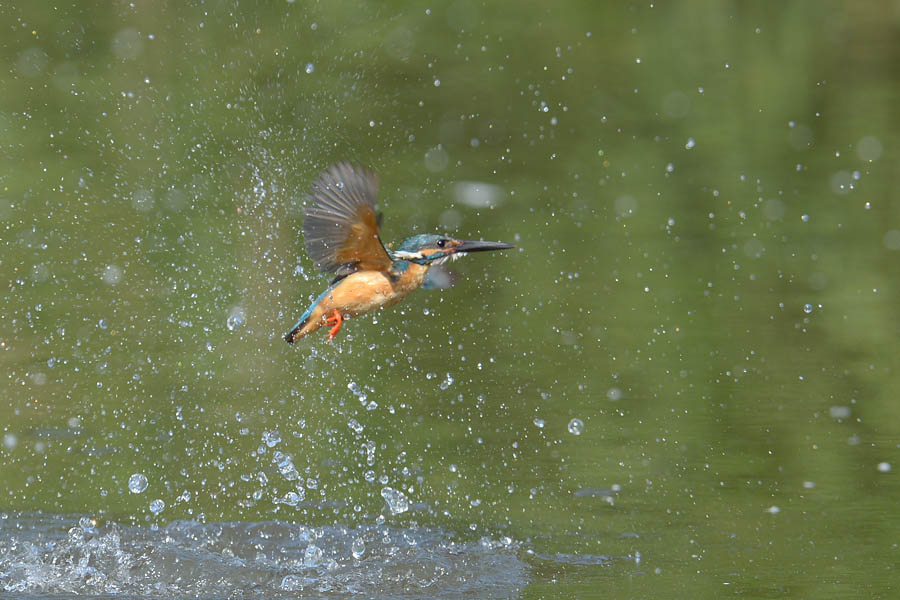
(404, 255)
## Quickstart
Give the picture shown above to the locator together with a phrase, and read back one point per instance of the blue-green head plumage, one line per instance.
(420, 248)
(434, 249)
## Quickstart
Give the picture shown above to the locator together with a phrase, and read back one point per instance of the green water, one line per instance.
(704, 199)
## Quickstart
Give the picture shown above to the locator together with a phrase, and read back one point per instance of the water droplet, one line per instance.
(436, 159)
(289, 499)
(310, 68)
(396, 500)
(357, 391)
(271, 438)
(576, 426)
(88, 525)
(539, 422)
(10, 441)
(891, 239)
(112, 275)
(137, 483)
(448, 381)
(370, 455)
(285, 466)
(142, 200)
(839, 412)
(884, 467)
(358, 548)
(157, 506)
(235, 318)
(313, 556)
(807, 308)
(869, 148)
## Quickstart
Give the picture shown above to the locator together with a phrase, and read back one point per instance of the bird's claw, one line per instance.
(335, 320)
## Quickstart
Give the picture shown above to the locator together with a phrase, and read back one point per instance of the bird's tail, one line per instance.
(295, 334)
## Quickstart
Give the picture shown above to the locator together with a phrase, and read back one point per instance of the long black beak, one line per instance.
(478, 246)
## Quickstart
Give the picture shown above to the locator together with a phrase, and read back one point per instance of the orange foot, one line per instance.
(335, 320)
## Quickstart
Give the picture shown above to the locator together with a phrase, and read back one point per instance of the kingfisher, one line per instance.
(340, 228)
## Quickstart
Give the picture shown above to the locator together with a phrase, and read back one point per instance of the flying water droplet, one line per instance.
(289, 499)
(157, 506)
(137, 483)
(235, 318)
(313, 556)
(358, 548)
(271, 438)
(357, 391)
(112, 274)
(576, 426)
(370, 458)
(285, 466)
(397, 501)
(447, 382)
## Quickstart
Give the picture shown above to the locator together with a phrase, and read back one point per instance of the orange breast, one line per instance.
(362, 292)
(365, 291)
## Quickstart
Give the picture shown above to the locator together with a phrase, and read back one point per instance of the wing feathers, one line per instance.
(340, 227)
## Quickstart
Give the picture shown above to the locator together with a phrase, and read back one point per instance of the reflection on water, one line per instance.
(71, 555)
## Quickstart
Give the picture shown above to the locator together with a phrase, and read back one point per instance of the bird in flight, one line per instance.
(340, 229)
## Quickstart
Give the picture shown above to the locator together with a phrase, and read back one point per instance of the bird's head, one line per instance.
(431, 249)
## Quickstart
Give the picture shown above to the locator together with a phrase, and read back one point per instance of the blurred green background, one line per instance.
(704, 199)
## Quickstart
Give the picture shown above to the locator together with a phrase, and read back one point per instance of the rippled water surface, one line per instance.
(55, 556)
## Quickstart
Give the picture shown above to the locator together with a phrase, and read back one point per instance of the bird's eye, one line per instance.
(441, 243)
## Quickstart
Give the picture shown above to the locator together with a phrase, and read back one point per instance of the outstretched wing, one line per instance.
(340, 227)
